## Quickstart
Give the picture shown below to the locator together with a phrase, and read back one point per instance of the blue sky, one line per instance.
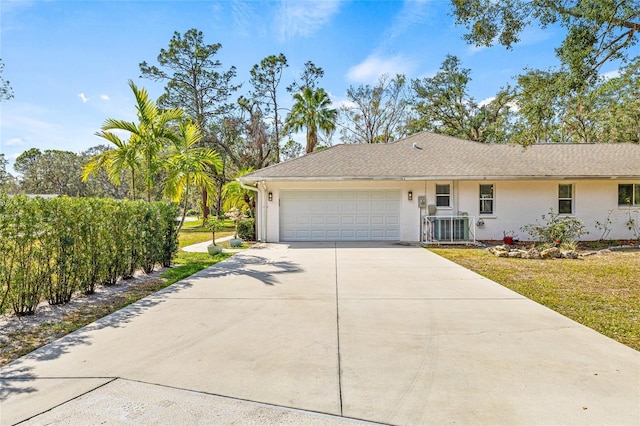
(69, 61)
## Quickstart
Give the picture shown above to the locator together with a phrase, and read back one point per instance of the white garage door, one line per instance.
(340, 215)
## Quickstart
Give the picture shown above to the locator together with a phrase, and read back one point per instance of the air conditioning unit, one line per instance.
(451, 229)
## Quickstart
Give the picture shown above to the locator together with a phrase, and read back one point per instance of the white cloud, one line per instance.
(295, 17)
(513, 106)
(244, 18)
(83, 98)
(104, 97)
(486, 101)
(345, 103)
(413, 12)
(611, 74)
(15, 142)
(475, 49)
(374, 66)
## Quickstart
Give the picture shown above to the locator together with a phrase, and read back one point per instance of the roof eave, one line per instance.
(433, 177)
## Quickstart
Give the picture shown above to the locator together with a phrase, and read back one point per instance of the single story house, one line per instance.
(435, 188)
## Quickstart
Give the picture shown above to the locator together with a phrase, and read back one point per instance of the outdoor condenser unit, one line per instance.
(451, 229)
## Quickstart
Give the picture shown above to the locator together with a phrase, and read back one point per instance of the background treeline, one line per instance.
(265, 120)
(55, 247)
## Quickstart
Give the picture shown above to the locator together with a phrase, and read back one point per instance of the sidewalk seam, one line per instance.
(338, 328)
(113, 379)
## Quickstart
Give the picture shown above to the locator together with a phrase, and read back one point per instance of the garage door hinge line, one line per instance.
(335, 250)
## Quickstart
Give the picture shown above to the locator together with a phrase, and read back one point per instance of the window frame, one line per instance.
(635, 195)
(571, 198)
(449, 195)
(492, 199)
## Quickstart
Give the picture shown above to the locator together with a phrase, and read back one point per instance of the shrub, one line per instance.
(557, 229)
(247, 229)
(52, 248)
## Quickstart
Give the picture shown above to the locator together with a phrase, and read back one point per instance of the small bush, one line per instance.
(556, 229)
(247, 229)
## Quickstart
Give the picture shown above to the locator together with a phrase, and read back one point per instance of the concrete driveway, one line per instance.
(328, 333)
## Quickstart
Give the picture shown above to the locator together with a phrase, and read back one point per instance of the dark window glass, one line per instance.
(625, 194)
(565, 199)
(443, 195)
(564, 207)
(565, 191)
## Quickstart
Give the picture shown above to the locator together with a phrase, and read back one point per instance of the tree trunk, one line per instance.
(205, 203)
(184, 210)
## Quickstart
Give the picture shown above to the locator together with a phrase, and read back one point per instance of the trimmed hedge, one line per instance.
(51, 248)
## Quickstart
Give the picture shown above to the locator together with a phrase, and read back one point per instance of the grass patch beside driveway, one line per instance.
(600, 291)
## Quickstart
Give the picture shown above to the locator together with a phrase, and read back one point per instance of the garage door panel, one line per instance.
(333, 220)
(347, 234)
(346, 195)
(303, 220)
(318, 220)
(391, 220)
(348, 215)
(332, 234)
(362, 220)
(363, 234)
(392, 234)
(347, 220)
(348, 207)
(378, 234)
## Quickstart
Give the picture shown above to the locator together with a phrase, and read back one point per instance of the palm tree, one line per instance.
(115, 161)
(188, 165)
(150, 135)
(235, 196)
(311, 111)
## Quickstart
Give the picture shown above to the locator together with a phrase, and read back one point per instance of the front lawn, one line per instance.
(194, 233)
(600, 291)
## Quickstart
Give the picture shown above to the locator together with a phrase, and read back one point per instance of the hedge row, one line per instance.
(51, 248)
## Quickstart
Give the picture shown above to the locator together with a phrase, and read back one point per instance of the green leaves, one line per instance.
(598, 31)
(311, 111)
(443, 105)
(6, 92)
(53, 248)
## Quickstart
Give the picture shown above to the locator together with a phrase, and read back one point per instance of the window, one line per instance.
(443, 195)
(486, 199)
(629, 194)
(565, 199)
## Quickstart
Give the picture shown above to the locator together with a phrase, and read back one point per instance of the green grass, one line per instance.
(189, 237)
(194, 233)
(601, 292)
(189, 264)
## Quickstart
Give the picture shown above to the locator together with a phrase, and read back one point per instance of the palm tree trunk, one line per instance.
(205, 203)
(133, 184)
(184, 210)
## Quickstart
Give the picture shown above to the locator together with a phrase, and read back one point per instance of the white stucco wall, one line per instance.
(516, 203)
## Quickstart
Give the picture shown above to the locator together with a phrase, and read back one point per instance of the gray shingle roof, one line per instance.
(445, 157)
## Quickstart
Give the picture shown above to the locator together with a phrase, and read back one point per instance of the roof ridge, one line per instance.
(290, 160)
